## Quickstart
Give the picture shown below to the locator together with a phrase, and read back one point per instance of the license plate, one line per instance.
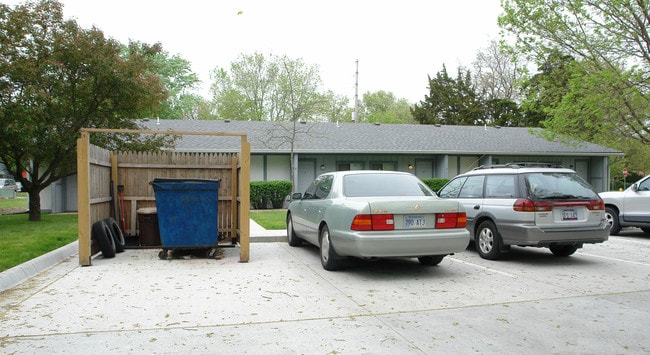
(569, 215)
(414, 221)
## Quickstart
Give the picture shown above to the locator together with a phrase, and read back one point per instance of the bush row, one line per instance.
(435, 184)
(269, 194)
(272, 194)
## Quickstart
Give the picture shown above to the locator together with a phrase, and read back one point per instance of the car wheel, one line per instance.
(646, 230)
(431, 260)
(488, 244)
(612, 218)
(292, 238)
(328, 257)
(102, 234)
(563, 250)
(116, 233)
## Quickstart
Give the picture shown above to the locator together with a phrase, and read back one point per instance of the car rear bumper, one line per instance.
(531, 235)
(407, 244)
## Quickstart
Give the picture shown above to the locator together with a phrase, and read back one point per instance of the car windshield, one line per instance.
(559, 186)
(368, 185)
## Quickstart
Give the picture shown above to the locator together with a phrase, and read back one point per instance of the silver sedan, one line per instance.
(375, 214)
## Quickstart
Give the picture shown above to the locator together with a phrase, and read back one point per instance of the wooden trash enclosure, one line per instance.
(98, 167)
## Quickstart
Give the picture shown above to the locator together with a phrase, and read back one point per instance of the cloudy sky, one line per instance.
(397, 43)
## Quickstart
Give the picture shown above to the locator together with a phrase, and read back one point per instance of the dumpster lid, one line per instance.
(184, 180)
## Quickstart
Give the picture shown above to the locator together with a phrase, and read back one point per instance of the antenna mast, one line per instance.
(356, 94)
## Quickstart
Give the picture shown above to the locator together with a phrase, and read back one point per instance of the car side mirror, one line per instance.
(634, 187)
(296, 196)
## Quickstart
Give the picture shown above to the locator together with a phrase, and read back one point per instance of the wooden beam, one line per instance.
(83, 198)
(245, 200)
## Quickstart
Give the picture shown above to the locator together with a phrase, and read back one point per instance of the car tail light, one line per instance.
(596, 205)
(451, 220)
(527, 205)
(373, 222)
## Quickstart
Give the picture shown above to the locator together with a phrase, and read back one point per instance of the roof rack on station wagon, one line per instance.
(518, 165)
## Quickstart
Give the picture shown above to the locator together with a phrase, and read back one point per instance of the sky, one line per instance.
(397, 43)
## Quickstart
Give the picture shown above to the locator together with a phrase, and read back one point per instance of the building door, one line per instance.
(424, 169)
(306, 174)
(582, 168)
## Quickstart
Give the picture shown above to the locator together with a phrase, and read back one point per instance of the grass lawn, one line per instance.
(19, 201)
(22, 240)
(270, 219)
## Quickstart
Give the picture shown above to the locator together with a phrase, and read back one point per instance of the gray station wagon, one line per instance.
(538, 205)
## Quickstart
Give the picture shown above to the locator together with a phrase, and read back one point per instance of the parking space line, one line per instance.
(485, 268)
(615, 259)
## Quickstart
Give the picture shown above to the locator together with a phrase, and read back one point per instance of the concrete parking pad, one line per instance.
(283, 302)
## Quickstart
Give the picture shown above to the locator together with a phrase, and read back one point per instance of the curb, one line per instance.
(19, 273)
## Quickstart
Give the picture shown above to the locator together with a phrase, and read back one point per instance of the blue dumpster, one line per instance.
(187, 213)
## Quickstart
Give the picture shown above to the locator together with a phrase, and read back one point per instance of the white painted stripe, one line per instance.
(615, 259)
(484, 268)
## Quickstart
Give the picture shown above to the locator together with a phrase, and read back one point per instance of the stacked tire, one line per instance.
(109, 237)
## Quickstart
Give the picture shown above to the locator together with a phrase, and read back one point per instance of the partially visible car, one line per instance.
(629, 208)
(528, 204)
(19, 186)
(8, 188)
(375, 214)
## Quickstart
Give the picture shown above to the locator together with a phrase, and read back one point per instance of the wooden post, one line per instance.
(114, 185)
(245, 200)
(83, 198)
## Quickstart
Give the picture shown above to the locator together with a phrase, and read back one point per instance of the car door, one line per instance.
(637, 202)
(312, 207)
(299, 213)
(468, 190)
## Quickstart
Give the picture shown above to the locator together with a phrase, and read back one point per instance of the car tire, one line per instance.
(330, 260)
(646, 230)
(431, 260)
(488, 241)
(116, 232)
(292, 238)
(563, 250)
(102, 234)
(612, 218)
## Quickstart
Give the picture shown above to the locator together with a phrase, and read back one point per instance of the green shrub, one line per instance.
(269, 194)
(435, 184)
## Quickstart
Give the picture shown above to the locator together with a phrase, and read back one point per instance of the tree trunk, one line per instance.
(34, 205)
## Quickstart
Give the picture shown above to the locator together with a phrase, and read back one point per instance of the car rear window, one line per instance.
(368, 185)
(558, 186)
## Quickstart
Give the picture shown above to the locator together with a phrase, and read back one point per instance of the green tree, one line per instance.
(451, 101)
(180, 81)
(383, 107)
(273, 88)
(335, 108)
(245, 92)
(58, 78)
(545, 89)
(296, 93)
(610, 42)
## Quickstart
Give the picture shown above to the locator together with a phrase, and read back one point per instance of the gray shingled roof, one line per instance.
(325, 137)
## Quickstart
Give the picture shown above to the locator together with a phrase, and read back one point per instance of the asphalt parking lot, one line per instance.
(283, 302)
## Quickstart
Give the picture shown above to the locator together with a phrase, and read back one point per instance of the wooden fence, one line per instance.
(99, 170)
